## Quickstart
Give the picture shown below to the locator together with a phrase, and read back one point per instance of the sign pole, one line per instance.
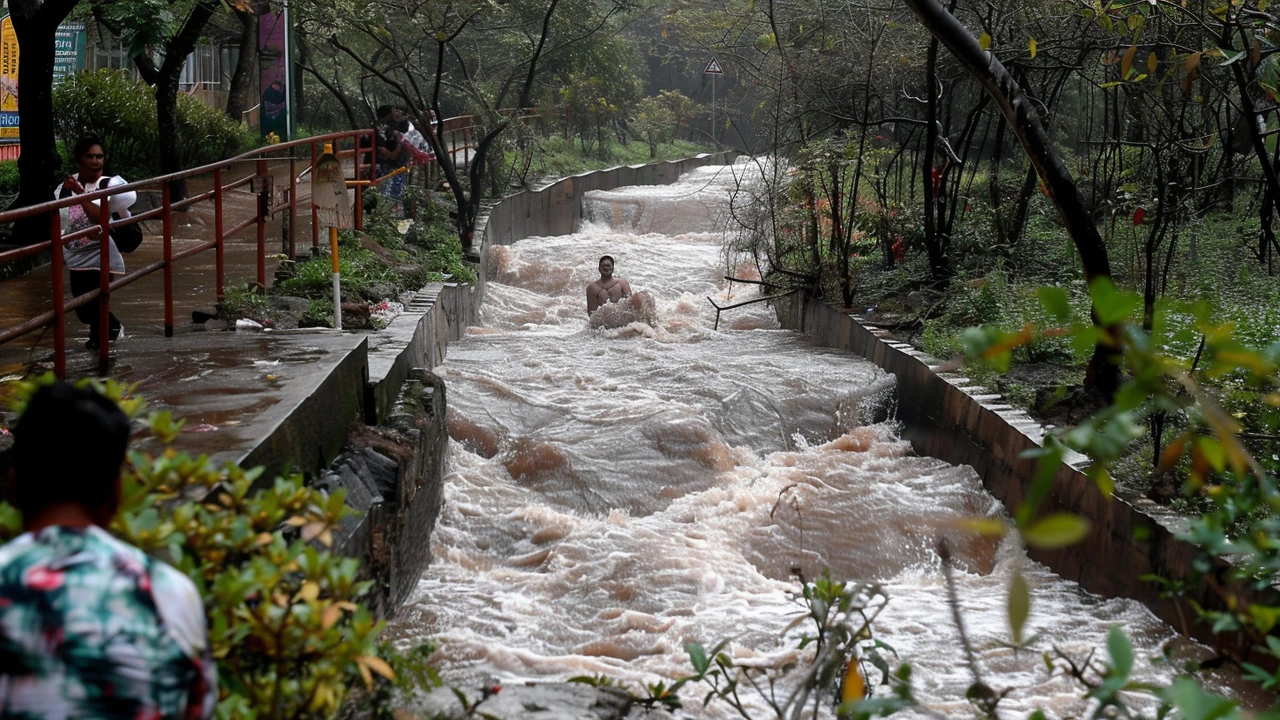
(329, 200)
(713, 109)
(333, 255)
(713, 69)
(337, 279)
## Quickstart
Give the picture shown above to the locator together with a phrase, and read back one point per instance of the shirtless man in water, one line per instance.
(608, 289)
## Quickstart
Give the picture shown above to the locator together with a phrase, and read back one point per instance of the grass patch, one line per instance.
(394, 254)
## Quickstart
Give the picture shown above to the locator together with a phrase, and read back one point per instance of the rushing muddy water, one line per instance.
(621, 486)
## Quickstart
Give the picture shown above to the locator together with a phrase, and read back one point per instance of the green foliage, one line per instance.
(838, 616)
(9, 177)
(239, 302)
(285, 621)
(555, 157)
(1238, 496)
(206, 135)
(113, 106)
(658, 118)
(362, 270)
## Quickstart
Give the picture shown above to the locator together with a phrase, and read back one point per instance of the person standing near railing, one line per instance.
(390, 149)
(82, 256)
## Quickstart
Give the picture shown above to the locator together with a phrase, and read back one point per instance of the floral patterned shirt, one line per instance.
(91, 627)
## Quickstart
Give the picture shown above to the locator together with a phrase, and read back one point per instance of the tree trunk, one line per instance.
(167, 128)
(39, 166)
(303, 46)
(937, 263)
(240, 94)
(170, 72)
(1103, 373)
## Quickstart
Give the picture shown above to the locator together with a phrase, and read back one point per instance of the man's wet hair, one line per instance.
(68, 446)
(82, 146)
(384, 110)
(607, 257)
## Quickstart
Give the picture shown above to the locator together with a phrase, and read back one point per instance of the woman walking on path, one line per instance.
(82, 256)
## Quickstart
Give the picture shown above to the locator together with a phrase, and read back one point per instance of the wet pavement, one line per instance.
(247, 397)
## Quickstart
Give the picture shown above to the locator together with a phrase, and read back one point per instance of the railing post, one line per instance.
(104, 284)
(59, 302)
(293, 201)
(315, 213)
(219, 251)
(168, 260)
(453, 149)
(264, 200)
(373, 171)
(466, 144)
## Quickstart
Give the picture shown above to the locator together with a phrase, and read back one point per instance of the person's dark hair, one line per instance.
(82, 146)
(68, 446)
(607, 257)
(384, 111)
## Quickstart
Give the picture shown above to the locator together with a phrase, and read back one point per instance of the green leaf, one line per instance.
(1213, 453)
(1193, 703)
(697, 657)
(1054, 300)
(1106, 484)
(1056, 531)
(1048, 459)
(1019, 606)
(1264, 617)
(1112, 306)
(1121, 651)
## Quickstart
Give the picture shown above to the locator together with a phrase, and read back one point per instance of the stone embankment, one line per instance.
(946, 416)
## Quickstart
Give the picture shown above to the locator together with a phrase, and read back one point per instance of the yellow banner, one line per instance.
(8, 80)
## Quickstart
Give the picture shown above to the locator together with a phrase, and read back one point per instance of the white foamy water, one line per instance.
(619, 490)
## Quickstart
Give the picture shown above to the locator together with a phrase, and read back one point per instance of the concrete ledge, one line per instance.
(417, 338)
(942, 418)
(311, 430)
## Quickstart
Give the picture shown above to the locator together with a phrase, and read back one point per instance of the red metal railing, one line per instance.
(358, 145)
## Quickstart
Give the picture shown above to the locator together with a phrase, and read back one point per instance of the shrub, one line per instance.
(122, 111)
(113, 106)
(206, 134)
(9, 177)
(285, 623)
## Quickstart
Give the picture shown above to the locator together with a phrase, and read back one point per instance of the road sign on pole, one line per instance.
(713, 69)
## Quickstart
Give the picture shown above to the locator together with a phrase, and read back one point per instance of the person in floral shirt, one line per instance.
(90, 627)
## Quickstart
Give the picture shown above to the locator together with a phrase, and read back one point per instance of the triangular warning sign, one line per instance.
(713, 68)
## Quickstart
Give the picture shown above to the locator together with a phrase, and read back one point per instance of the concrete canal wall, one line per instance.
(945, 417)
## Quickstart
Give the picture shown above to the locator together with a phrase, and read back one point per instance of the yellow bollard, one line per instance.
(337, 277)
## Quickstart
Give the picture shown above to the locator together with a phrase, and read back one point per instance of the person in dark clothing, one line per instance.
(389, 149)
